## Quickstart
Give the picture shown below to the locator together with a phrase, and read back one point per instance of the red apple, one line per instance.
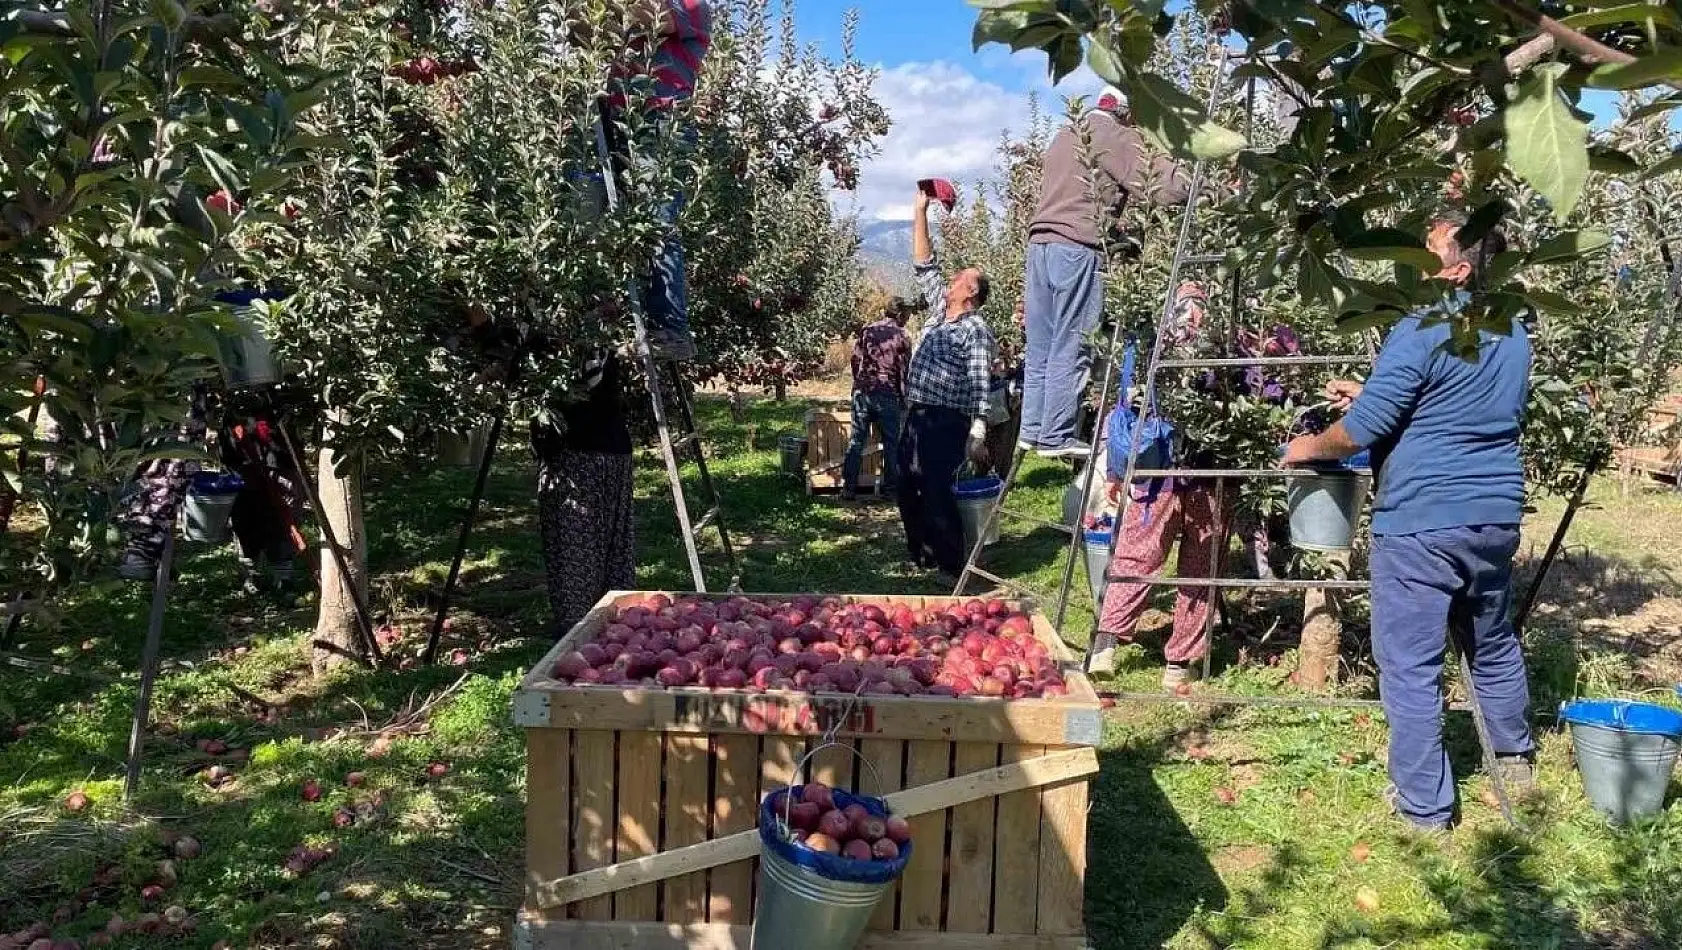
(884, 850)
(818, 841)
(858, 850)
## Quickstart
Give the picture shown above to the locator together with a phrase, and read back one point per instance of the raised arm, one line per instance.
(922, 247)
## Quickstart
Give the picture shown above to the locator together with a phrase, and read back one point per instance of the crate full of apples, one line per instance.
(819, 645)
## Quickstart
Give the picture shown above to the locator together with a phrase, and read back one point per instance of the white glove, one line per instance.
(977, 435)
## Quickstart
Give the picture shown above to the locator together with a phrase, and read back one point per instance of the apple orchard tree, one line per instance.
(459, 176)
(128, 130)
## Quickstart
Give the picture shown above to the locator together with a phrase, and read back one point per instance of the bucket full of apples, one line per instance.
(827, 857)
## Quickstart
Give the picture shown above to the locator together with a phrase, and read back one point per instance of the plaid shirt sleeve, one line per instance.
(982, 350)
(933, 288)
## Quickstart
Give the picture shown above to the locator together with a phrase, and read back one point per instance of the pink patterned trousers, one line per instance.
(1184, 514)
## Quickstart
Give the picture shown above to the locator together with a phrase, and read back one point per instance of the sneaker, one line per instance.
(1175, 675)
(1518, 775)
(1101, 661)
(1023, 445)
(1074, 448)
(1393, 801)
(671, 347)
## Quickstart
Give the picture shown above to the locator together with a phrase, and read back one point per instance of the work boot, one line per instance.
(669, 347)
(1175, 675)
(1518, 775)
(1074, 448)
(1422, 830)
(1102, 660)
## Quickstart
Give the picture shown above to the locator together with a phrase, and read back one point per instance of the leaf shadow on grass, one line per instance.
(1514, 902)
(1148, 875)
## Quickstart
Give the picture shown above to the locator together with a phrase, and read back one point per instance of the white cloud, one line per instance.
(947, 122)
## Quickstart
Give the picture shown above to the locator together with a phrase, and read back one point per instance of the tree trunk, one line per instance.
(341, 507)
(8, 500)
(1322, 632)
(738, 409)
(781, 390)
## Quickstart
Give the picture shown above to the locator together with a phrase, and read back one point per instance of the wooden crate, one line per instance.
(827, 433)
(1665, 459)
(641, 806)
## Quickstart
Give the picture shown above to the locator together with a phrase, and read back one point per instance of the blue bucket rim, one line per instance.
(217, 483)
(1624, 715)
(1360, 460)
(828, 866)
(978, 487)
(1099, 536)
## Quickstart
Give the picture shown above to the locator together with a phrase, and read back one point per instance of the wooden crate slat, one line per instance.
(593, 818)
(921, 887)
(549, 817)
(735, 800)
(1062, 860)
(580, 935)
(834, 766)
(970, 878)
(686, 816)
(640, 755)
(887, 774)
(1016, 883)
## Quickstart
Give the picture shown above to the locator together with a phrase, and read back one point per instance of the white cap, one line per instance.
(1113, 95)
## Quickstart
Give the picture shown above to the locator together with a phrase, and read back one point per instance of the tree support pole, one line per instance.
(479, 483)
(149, 667)
(1557, 542)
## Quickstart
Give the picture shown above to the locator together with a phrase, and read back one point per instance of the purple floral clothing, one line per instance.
(881, 359)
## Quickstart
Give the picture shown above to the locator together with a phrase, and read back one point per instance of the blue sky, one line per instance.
(949, 104)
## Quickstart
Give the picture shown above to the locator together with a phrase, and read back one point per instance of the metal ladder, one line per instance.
(666, 383)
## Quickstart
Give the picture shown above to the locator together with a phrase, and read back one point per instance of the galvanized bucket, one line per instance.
(975, 502)
(1626, 753)
(793, 449)
(1325, 509)
(1097, 548)
(248, 359)
(209, 506)
(814, 901)
(463, 450)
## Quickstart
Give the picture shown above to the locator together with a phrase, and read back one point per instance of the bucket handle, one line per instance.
(800, 769)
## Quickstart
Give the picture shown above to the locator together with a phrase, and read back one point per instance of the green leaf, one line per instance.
(1066, 57)
(1547, 300)
(1547, 145)
(1175, 122)
(1610, 161)
(1391, 244)
(1102, 61)
(1370, 320)
(1569, 245)
(1665, 167)
(1481, 222)
(210, 77)
(1656, 67)
(1626, 13)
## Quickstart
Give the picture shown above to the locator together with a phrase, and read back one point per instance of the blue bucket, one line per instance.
(209, 504)
(1626, 752)
(812, 900)
(976, 497)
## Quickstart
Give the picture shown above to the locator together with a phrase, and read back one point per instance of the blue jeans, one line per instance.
(1063, 298)
(884, 409)
(1457, 580)
(667, 301)
(930, 454)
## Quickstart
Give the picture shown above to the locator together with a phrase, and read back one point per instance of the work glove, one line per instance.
(978, 441)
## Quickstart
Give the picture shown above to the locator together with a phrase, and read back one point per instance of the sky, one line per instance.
(949, 104)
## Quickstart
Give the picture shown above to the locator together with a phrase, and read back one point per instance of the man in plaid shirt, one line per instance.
(947, 388)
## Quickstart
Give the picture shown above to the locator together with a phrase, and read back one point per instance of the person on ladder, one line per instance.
(947, 388)
(1444, 436)
(1163, 512)
(881, 360)
(1064, 290)
(682, 31)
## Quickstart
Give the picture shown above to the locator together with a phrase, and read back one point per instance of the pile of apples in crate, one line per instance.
(819, 645)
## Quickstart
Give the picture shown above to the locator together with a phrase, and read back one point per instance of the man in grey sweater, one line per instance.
(1064, 291)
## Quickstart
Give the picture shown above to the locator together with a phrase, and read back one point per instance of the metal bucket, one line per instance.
(248, 358)
(793, 449)
(975, 502)
(1326, 508)
(459, 450)
(1097, 548)
(1626, 752)
(814, 901)
(209, 504)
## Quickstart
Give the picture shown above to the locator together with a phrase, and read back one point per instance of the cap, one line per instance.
(940, 190)
(1113, 100)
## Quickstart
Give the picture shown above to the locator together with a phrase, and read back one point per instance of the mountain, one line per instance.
(885, 252)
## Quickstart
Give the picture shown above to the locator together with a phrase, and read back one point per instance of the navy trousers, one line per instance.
(930, 453)
(884, 410)
(1458, 581)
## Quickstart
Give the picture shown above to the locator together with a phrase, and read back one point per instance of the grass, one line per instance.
(1304, 856)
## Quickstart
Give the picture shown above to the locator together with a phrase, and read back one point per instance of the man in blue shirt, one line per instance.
(1444, 435)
